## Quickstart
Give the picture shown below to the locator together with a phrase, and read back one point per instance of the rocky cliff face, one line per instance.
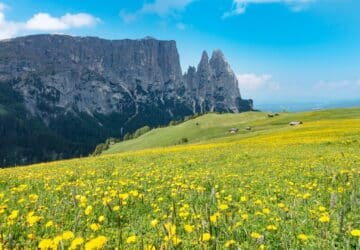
(72, 83)
(214, 86)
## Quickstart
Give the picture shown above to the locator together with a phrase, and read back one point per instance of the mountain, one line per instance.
(61, 95)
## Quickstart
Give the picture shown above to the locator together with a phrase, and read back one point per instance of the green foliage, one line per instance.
(104, 146)
(139, 132)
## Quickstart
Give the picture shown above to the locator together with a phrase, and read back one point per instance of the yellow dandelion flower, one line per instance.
(31, 236)
(96, 243)
(306, 196)
(255, 235)
(213, 218)
(124, 196)
(281, 205)
(154, 222)
(223, 207)
(324, 218)
(189, 228)
(176, 240)
(14, 214)
(266, 211)
(205, 237)
(322, 209)
(94, 227)
(33, 198)
(170, 229)
(78, 241)
(134, 193)
(48, 224)
(46, 244)
(355, 232)
(131, 239)
(88, 210)
(230, 243)
(101, 218)
(303, 237)
(244, 216)
(243, 199)
(32, 219)
(271, 228)
(149, 247)
(67, 235)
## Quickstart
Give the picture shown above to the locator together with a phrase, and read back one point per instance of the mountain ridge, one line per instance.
(85, 89)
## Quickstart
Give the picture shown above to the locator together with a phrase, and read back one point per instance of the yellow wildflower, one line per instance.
(96, 243)
(154, 222)
(101, 218)
(230, 243)
(88, 210)
(67, 235)
(14, 214)
(189, 228)
(50, 223)
(205, 237)
(303, 237)
(94, 227)
(255, 235)
(271, 228)
(131, 239)
(355, 232)
(78, 241)
(46, 244)
(223, 207)
(324, 218)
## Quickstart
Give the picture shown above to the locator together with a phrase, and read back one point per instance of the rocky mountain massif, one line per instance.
(62, 95)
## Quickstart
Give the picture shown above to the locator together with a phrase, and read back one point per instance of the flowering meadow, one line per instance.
(298, 188)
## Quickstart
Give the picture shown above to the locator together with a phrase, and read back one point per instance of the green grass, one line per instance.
(214, 127)
(277, 187)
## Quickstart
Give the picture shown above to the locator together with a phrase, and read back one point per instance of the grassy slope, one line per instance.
(214, 127)
(280, 177)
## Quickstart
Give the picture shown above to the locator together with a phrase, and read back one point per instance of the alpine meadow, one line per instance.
(280, 187)
(180, 125)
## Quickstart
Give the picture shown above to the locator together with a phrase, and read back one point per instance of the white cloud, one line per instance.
(252, 81)
(257, 86)
(239, 6)
(44, 22)
(158, 7)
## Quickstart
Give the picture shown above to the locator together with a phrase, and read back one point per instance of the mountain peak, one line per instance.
(204, 57)
(218, 54)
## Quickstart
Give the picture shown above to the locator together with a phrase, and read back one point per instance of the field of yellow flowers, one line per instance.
(293, 189)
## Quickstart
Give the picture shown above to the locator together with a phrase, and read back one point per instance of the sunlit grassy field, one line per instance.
(277, 187)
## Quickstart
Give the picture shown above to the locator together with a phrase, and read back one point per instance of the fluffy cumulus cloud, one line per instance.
(158, 7)
(257, 85)
(252, 82)
(44, 22)
(239, 6)
(7, 28)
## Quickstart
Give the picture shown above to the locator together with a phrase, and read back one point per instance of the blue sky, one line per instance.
(281, 50)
